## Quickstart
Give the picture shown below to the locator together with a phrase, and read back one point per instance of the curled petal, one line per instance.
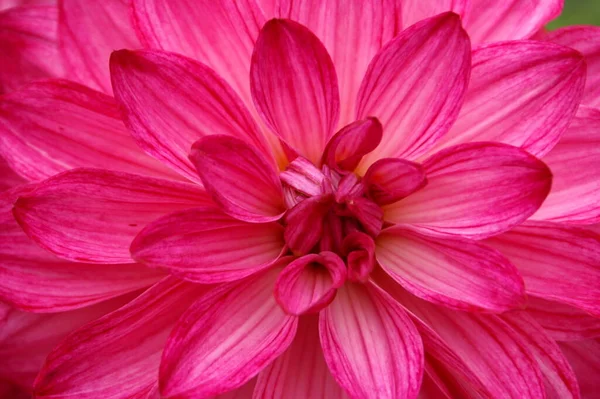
(347, 147)
(390, 179)
(359, 250)
(304, 223)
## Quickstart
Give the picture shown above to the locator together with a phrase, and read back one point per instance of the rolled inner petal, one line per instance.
(390, 179)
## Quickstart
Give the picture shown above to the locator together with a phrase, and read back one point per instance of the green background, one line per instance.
(578, 12)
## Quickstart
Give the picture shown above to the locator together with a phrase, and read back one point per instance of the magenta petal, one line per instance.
(475, 190)
(416, 10)
(359, 250)
(304, 223)
(584, 357)
(390, 179)
(433, 55)
(294, 86)
(370, 344)
(225, 339)
(308, 284)
(239, 178)
(125, 345)
(207, 246)
(561, 321)
(347, 147)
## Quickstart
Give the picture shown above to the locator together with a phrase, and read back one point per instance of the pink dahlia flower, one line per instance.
(307, 199)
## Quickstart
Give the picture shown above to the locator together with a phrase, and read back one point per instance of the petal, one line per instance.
(89, 32)
(53, 126)
(475, 190)
(348, 146)
(584, 357)
(308, 284)
(522, 93)
(305, 223)
(92, 215)
(492, 21)
(370, 344)
(416, 10)
(8, 178)
(239, 179)
(207, 246)
(300, 372)
(359, 251)
(243, 392)
(575, 166)
(170, 101)
(457, 273)
(294, 86)
(28, 46)
(6, 4)
(482, 350)
(433, 55)
(560, 380)
(225, 339)
(586, 40)
(389, 180)
(561, 321)
(557, 262)
(123, 346)
(352, 31)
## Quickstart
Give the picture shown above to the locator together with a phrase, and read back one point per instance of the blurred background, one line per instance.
(578, 12)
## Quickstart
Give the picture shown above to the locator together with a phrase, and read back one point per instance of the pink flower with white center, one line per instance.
(301, 199)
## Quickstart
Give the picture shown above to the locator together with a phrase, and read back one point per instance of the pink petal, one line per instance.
(584, 357)
(475, 190)
(6, 4)
(32, 279)
(8, 178)
(225, 339)
(28, 46)
(294, 86)
(239, 179)
(347, 147)
(575, 166)
(586, 40)
(389, 180)
(305, 223)
(207, 246)
(482, 350)
(148, 83)
(301, 371)
(92, 215)
(123, 346)
(352, 31)
(359, 250)
(414, 11)
(89, 32)
(561, 321)
(53, 126)
(303, 176)
(433, 55)
(560, 380)
(243, 392)
(308, 284)
(492, 21)
(457, 273)
(370, 344)
(557, 262)
(522, 93)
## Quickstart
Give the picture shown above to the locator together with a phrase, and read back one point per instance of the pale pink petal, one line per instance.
(294, 87)
(492, 20)
(301, 371)
(433, 55)
(359, 252)
(575, 166)
(561, 321)
(370, 344)
(302, 176)
(347, 147)
(457, 273)
(53, 126)
(28, 46)
(205, 245)
(170, 101)
(89, 32)
(390, 179)
(584, 357)
(92, 215)
(8, 178)
(522, 93)
(415, 10)
(225, 339)
(559, 378)
(557, 262)
(480, 349)
(239, 178)
(308, 284)
(352, 31)
(123, 346)
(586, 40)
(475, 190)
